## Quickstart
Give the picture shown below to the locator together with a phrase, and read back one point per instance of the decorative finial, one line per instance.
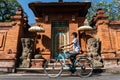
(86, 23)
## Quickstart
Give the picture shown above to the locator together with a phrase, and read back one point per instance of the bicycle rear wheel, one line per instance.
(53, 68)
(84, 67)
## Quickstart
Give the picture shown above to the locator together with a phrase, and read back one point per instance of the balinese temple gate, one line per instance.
(59, 19)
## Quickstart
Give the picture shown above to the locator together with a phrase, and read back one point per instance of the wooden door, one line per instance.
(59, 35)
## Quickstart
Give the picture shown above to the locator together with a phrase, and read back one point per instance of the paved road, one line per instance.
(63, 77)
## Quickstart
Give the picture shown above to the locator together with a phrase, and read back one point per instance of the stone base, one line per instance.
(7, 65)
(110, 63)
(109, 60)
(37, 63)
(46, 55)
(108, 55)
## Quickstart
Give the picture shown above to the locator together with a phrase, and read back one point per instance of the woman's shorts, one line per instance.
(71, 53)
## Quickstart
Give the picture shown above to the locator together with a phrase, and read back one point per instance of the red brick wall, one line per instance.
(10, 40)
(108, 32)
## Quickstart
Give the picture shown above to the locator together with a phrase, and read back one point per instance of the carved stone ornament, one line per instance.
(93, 48)
(27, 52)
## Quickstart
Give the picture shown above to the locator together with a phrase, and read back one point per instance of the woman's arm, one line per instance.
(67, 45)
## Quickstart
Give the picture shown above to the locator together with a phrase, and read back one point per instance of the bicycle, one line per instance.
(54, 67)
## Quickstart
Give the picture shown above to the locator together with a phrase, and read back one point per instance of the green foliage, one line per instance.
(111, 8)
(7, 9)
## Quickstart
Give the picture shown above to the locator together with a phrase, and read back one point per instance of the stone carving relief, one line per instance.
(93, 48)
(27, 52)
(2, 40)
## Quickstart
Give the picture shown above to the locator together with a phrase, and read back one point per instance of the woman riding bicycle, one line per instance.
(82, 65)
(75, 48)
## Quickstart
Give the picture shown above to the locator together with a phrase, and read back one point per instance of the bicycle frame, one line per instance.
(75, 67)
(62, 57)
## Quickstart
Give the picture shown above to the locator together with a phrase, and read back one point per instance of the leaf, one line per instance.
(8, 8)
(111, 8)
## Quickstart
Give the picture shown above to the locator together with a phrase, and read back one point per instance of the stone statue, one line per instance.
(93, 48)
(27, 45)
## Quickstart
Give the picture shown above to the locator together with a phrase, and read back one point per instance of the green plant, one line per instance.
(7, 9)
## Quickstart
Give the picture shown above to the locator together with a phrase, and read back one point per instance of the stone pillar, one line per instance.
(11, 35)
(103, 33)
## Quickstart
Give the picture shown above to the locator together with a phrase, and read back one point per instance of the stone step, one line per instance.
(38, 63)
(35, 70)
(41, 70)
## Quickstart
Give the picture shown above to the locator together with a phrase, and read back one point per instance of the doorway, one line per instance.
(60, 35)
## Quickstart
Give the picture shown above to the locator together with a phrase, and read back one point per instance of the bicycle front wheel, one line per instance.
(53, 68)
(84, 67)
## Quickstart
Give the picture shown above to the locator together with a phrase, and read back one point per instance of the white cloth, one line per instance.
(76, 45)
